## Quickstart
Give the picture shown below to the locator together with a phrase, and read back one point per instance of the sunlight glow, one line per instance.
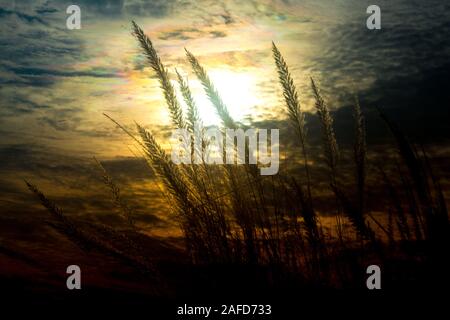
(237, 90)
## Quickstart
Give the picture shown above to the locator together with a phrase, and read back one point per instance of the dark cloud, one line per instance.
(218, 34)
(407, 60)
(32, 71)
(102, 7)
(81, 178)
(190, 33)
(155, 8)
(175, 35)
(34, 48)
(22, 105)
(60, 124)
(46, 10)
(227, 18)
(23, 16)
(116, 8)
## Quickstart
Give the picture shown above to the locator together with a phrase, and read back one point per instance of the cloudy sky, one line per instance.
(55, 83)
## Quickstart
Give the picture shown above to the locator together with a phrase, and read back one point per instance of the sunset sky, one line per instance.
(55, 83)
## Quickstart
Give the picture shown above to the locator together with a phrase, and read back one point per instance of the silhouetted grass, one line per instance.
(230, 216)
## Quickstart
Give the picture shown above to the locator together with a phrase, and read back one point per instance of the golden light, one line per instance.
(237, 90)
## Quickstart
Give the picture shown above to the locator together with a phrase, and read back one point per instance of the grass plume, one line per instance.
(230, 217)
(211, 91)
(293, 106)
(162, 74)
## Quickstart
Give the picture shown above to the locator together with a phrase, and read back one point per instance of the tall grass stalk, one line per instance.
(359, 152)
(230, 216)
(294, 108)
(211, 91)
(329, 138)
(127, 212)
(163, 76)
